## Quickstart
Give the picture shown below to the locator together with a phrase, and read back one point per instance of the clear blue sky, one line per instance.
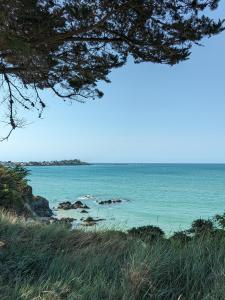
(150, 113)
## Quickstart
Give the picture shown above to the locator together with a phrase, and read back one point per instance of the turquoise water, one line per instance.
(166, 195)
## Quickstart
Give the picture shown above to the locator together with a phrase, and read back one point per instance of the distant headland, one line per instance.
(71, 162)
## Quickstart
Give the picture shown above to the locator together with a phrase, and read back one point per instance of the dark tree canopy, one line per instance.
(69, 46)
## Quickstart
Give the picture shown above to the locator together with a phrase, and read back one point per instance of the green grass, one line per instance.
(51, 262)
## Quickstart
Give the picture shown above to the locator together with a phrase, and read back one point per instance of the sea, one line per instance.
(170, 196)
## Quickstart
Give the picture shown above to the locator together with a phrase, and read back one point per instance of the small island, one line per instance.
(71, 162)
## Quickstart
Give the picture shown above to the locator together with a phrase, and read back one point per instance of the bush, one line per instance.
(200, 226)
(149, 232)
(220, 220)
(181, 237)
(13, 188)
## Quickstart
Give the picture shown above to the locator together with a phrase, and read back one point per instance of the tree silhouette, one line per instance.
(69, 46)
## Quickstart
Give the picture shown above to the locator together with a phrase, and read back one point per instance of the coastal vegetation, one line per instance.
(39, 260)
(51, 262)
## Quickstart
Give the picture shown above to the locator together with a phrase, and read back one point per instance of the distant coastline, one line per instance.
(71, 162)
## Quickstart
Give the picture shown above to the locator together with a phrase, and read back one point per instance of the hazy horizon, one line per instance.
(118, 163)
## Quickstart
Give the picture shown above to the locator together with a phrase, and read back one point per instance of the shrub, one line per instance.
(200, 226)
(180, 236)
(13, 187)
(220, 220)
(146, 232)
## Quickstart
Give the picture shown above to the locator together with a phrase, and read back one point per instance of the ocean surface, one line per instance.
(170, 196)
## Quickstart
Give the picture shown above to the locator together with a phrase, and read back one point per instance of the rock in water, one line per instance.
(65, 205)
(110, 201)
(78, 203)
(68, 205)
(91, 221)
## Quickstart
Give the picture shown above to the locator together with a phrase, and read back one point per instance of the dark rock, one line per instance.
(68, 205)
(110, 201)
(104, 202)
(78, 203)
(40, 206)
(84, 211)
(85, 206)
(91, 221)
(65, 205)
(117, 201)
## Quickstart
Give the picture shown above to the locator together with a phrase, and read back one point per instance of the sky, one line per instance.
(149, 113)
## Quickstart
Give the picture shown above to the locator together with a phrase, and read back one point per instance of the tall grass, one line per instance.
(50, 262)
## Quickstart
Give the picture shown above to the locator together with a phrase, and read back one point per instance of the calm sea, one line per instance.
(167, 195)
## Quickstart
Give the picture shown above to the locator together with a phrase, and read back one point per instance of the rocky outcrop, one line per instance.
(109, 201)
(37, 205)
(16, 195)
(91, 221)
(40, 206)
(68, 205)
(65, 205)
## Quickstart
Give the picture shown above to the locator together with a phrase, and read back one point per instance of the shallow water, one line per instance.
(167, 195)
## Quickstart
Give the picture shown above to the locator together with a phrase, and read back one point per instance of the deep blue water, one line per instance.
(167, 195)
